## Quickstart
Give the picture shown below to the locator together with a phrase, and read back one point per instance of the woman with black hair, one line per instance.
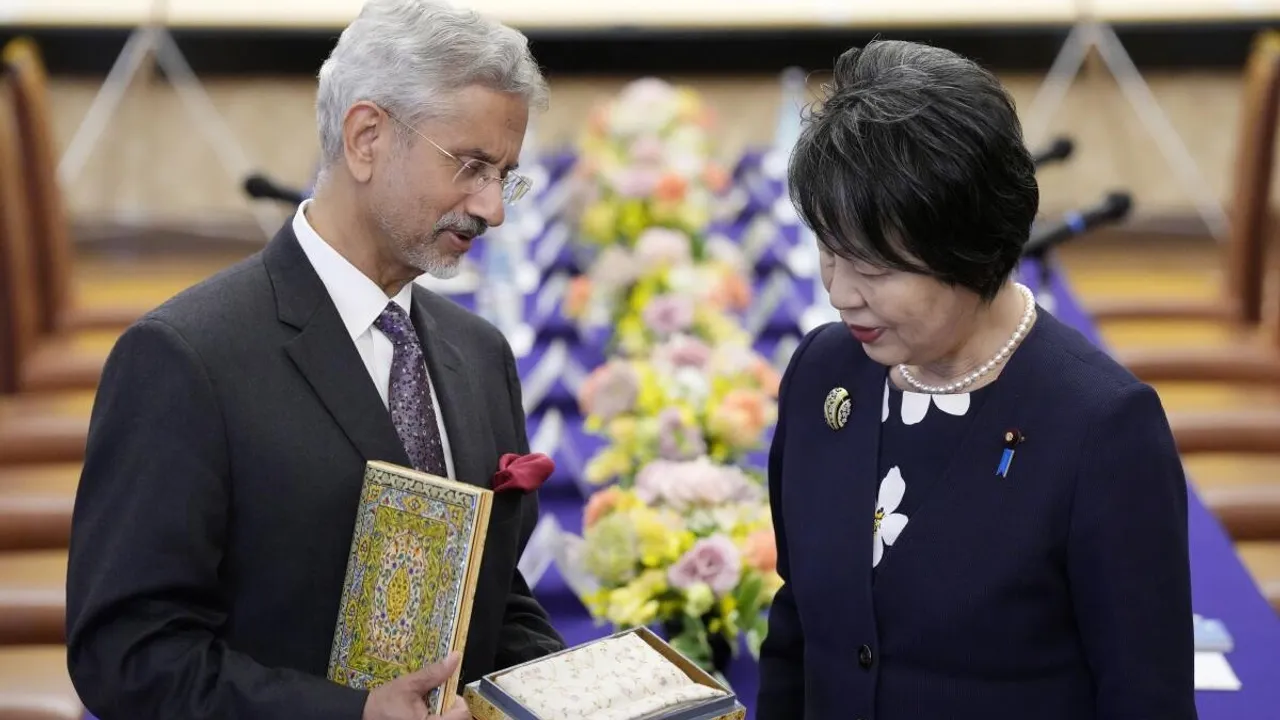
(979, 515)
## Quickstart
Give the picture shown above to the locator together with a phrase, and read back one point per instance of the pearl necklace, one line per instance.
(1028, 317)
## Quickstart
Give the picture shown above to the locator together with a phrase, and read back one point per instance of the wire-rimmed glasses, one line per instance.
(475, 175)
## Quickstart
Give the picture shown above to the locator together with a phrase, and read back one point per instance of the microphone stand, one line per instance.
(1090, 33)
(152, 41)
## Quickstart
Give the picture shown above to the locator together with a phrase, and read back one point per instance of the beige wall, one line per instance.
(153, 163)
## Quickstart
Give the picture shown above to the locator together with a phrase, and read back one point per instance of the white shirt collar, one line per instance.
(359, 299)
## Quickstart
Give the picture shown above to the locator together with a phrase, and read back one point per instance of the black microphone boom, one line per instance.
(259, 187)
(1061, 149)
(1114, 208)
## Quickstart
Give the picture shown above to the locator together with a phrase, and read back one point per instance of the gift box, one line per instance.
(630, 675)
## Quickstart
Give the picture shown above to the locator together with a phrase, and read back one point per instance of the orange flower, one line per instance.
(760, 551)
(768, 377)
(671, 187)
(576, 296)
(716, 178)
(731, 293)
(741, 417)
(601, 504)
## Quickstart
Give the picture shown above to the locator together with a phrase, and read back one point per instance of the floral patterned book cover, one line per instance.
(411, 576)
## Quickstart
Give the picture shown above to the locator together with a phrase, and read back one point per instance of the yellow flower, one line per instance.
(728, 616)
(772, 584)
(693, 215)
(657, 542)
(628, 608)
(598, 221)
(631, 335)
(652, 398)
(632, 219)
(607, 464)
(626, 501)
(624, 430)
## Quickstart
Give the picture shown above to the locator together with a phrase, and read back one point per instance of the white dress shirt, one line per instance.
(360, 301)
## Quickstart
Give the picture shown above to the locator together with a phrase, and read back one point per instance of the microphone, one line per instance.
(1115, 207)
(1060, 149)
(259, 187)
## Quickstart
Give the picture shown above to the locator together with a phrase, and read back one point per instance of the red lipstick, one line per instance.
(865, 335)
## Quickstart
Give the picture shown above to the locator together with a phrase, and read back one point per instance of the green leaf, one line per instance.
(694, 647)
(749, 594)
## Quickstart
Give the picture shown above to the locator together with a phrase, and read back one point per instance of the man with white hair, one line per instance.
(233, 423)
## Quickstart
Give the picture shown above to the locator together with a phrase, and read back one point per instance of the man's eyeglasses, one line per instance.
(475, 175)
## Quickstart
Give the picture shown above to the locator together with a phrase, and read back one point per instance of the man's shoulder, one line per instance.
(223, 302)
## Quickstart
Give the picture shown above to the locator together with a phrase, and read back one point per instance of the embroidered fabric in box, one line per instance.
(620, 678)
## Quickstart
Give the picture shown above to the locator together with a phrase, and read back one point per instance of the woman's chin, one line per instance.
(887, 355)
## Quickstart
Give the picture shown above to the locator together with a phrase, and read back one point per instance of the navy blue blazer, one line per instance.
(1059, 592)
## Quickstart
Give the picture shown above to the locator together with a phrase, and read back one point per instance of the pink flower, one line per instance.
(667, 314)
(647, 149)
(613, 270)
(683, 351)
(610, 390)
(678, 440)
(681, 485)
(636, 182)
(660, 246)
(714, 561)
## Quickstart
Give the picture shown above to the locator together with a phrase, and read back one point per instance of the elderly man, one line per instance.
(233, 423)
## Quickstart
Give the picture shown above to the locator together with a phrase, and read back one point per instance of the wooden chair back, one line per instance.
(53, 251)
(1254, 171)
(19, 304)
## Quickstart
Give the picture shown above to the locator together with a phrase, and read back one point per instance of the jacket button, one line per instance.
(864, 657)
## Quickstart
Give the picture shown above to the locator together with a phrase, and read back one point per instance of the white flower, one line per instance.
(888, 524)
(915, 405)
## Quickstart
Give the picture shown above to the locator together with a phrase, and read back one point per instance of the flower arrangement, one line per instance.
(686, 400)
(689, 547)
(644, 162)
(656, 290)
(679, 534)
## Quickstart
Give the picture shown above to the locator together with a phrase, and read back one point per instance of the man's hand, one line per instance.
(403, 698)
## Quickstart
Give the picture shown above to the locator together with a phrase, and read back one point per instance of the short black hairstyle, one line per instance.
(916, 162)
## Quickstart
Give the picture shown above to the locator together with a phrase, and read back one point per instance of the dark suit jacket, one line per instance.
(216, 506)
(1060, 592)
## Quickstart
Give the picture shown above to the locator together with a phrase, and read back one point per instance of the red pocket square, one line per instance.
(525, 473)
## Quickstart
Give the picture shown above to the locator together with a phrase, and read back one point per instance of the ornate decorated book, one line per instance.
(411, 577)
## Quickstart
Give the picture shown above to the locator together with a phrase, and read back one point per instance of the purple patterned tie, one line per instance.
(409, 395)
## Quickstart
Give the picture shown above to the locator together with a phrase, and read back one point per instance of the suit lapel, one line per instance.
(324, 354)
(460, 397)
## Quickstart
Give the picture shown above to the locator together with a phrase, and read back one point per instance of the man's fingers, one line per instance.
(435, 674)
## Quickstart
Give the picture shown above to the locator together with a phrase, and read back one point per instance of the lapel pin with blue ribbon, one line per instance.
(1012, 438)
(837, 407)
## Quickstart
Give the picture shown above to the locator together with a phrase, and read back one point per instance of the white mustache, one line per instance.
(468, 227)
